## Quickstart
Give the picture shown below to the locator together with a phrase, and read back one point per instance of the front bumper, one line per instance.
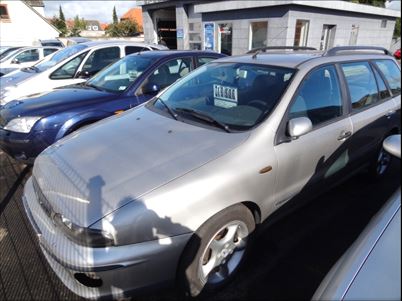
(121, 269)
(25, 147)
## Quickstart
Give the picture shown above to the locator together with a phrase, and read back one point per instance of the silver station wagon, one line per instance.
(173, 190)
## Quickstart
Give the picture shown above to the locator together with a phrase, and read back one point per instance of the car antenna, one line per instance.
(255, 54)
(139, 52)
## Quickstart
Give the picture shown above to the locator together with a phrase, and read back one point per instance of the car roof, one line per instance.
(164, 53)
(287, 59)
(118, 42)
(294, 59)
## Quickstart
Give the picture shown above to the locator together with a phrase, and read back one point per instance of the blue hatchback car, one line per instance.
(30, 124)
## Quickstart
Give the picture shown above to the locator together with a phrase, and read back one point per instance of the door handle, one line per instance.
(344, 135)
(390, 113)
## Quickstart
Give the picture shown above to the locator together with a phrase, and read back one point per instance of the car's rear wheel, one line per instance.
(216, 250)
(381, 164)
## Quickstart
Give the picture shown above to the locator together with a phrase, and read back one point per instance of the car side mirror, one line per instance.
(83, 74)
(15, 61)
(151, 89)
(299, 126)
(393, 145)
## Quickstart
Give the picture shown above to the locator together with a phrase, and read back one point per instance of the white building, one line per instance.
(23, 24)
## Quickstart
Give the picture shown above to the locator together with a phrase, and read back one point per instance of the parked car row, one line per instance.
(173, 184)
(71, 65)
(23, 57)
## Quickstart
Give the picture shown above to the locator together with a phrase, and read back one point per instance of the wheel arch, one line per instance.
(78, 121)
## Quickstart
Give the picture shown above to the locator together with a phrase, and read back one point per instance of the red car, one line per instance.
(397, 54)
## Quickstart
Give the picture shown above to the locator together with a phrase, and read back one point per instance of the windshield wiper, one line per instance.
(36, 69)
(171, 112)
(205, 117)
(93, 86)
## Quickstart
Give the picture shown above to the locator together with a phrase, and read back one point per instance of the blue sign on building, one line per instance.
(209, 36)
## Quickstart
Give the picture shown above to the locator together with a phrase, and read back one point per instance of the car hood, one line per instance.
(54, 101)
(14, 78)
(116, 161)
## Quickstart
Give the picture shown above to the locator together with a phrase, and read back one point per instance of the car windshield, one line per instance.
(119, 76)
(59, 56)
(235, 95)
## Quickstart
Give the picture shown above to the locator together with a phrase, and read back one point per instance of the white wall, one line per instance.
(24, 27)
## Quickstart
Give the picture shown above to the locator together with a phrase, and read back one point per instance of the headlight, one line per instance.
(21, 124)
(84, 236)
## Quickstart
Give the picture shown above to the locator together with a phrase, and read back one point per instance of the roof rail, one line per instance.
(263, 49)
(336, 50)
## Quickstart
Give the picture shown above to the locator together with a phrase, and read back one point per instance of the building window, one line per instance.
(301, 33)
(194, 36)
(258, 34)
(353, 35)
(4, 12)
(383, 23)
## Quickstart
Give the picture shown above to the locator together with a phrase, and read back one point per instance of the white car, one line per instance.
(71, 65)
(24, 57)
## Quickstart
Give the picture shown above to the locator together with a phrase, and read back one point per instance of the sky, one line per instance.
(89, 10)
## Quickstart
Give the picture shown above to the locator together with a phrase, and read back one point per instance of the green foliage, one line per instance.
(79, 25)
(379, 3)
(397, 30)
(115, 19)
(61, 15)
(126, 28)
(60, 23)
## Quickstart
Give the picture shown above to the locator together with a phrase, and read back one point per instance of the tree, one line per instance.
(60, 23)
(115, 19)
(126, 28)
(397, 30)
(379, 3)
(78, 26)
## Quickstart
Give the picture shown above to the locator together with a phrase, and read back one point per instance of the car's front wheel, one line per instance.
(216, 250)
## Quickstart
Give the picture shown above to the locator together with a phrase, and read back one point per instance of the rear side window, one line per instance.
(135, 49)
(100, 58)
(319, 97)
(204, 60)
(48, 51)
(361, 83)
(392, 74)
(31, 55)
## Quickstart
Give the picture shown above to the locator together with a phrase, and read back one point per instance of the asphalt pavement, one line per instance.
(288, 261)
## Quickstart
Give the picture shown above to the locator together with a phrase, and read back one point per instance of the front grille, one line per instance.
(44, 203)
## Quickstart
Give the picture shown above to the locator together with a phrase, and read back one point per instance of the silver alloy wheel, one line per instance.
(383, 162)
(223, 252)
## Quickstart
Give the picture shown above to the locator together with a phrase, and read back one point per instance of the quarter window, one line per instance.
(135, 49)
(384, 92)
(392, 75)
(319, 97)
(361, 83)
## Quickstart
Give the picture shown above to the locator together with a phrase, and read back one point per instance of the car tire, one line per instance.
(216, 251)
(381, 163)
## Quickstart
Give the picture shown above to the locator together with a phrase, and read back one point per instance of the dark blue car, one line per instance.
(30, 124)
